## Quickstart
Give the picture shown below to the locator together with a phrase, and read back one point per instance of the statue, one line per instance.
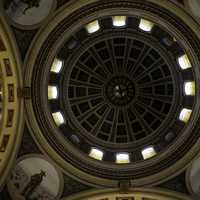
(30, 4)
(35, 181)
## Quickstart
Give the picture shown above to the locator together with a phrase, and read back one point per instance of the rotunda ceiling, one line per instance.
(117, 93)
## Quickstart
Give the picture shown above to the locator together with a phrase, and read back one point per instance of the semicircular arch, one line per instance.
(11, 103)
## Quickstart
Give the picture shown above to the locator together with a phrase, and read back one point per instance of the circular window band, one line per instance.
(162, 166)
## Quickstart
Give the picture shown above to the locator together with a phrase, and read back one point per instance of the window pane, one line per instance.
(184, 62)
(189, 88)
(148, 152)
(96, 154)
(122, 158)
(119, 21)
(57, 65)
(58, 118)
(93, 27)
(185, 115)
(146, 25)
(52, 92)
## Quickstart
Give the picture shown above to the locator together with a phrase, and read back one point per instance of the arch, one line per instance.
(136, 194)
(11, 101)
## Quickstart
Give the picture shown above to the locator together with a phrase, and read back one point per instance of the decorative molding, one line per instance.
(12, 111)
(134, 193)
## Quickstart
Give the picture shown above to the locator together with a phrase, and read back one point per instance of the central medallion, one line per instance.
(120, 90)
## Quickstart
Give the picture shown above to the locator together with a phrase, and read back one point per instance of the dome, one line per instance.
(118, 93)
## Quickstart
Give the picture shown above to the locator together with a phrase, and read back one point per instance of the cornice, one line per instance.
(138, 193)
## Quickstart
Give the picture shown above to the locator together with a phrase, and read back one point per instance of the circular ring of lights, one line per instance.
(75, 152)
